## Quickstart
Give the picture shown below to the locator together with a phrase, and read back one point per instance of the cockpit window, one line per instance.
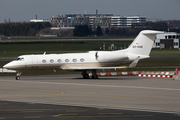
(22, 59)
(19, 59)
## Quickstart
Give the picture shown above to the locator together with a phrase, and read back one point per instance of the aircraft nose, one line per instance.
(7, 66)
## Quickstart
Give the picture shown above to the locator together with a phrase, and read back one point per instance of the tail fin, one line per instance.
(142, 44)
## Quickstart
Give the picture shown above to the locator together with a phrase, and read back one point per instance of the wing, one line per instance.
(93, 68)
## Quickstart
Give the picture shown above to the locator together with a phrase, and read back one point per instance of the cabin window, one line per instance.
(67, 60)
(51, 61)
(44, 61)
(59, 60)
(82, 59)
(74, 60)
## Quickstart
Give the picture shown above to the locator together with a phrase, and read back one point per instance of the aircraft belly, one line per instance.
(89, 65)
(114, 64)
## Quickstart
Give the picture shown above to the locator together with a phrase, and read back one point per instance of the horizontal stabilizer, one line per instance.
(151, 32)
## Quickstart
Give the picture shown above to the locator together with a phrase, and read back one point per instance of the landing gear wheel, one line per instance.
(95, 77)
(86, 76)
(17, 77)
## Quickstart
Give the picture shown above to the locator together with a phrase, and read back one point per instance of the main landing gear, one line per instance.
(18, 75)
(86, 75)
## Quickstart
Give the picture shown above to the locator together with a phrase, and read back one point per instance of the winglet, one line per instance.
(134, 63)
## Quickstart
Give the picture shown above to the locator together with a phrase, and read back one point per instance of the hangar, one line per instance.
(167, 40)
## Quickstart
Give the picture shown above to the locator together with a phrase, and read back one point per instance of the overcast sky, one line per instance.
(24, 10)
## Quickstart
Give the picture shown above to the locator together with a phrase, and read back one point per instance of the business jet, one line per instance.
(91, 61)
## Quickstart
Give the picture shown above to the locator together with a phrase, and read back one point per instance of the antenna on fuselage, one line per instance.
(44, 53)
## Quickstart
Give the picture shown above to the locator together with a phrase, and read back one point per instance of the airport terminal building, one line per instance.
(94, 20)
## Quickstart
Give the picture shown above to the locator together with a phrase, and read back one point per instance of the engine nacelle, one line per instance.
(134, 56)
(110, 56)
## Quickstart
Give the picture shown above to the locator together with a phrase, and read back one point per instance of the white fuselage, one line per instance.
(64, 61)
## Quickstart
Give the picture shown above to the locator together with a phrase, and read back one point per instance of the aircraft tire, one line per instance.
(17, 77)
(86, 76)
(95, 77)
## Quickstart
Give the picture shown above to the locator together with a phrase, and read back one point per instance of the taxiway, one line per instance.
(113, 92)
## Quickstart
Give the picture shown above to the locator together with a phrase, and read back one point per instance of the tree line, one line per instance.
(84, 30)
(32, 29)
(22, 29)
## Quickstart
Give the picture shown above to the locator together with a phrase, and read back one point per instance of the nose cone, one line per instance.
(14, 65)
(7, 66)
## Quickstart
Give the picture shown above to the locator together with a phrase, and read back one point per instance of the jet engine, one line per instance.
(110, 56)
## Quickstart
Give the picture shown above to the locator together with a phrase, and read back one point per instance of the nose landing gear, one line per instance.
(18, 75)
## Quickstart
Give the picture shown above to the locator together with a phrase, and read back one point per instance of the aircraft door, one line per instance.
(34, 62)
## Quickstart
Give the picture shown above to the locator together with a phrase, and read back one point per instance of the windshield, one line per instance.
(19, 59)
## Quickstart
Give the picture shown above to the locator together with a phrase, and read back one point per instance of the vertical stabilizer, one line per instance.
(142, 44)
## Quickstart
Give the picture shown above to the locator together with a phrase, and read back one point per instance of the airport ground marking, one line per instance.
(92, 85)
(8, 89)
(30, 95)
(30, 111)
(55, 93)
(41, 110)
(64, 115)
(101, 108)
(110, 113)
(142, 115)
(33, 117)
(117, 96)
(76, 110)
(30, 103)
(97, 116)
(3, 103)
(66, 109)
(105, 116)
